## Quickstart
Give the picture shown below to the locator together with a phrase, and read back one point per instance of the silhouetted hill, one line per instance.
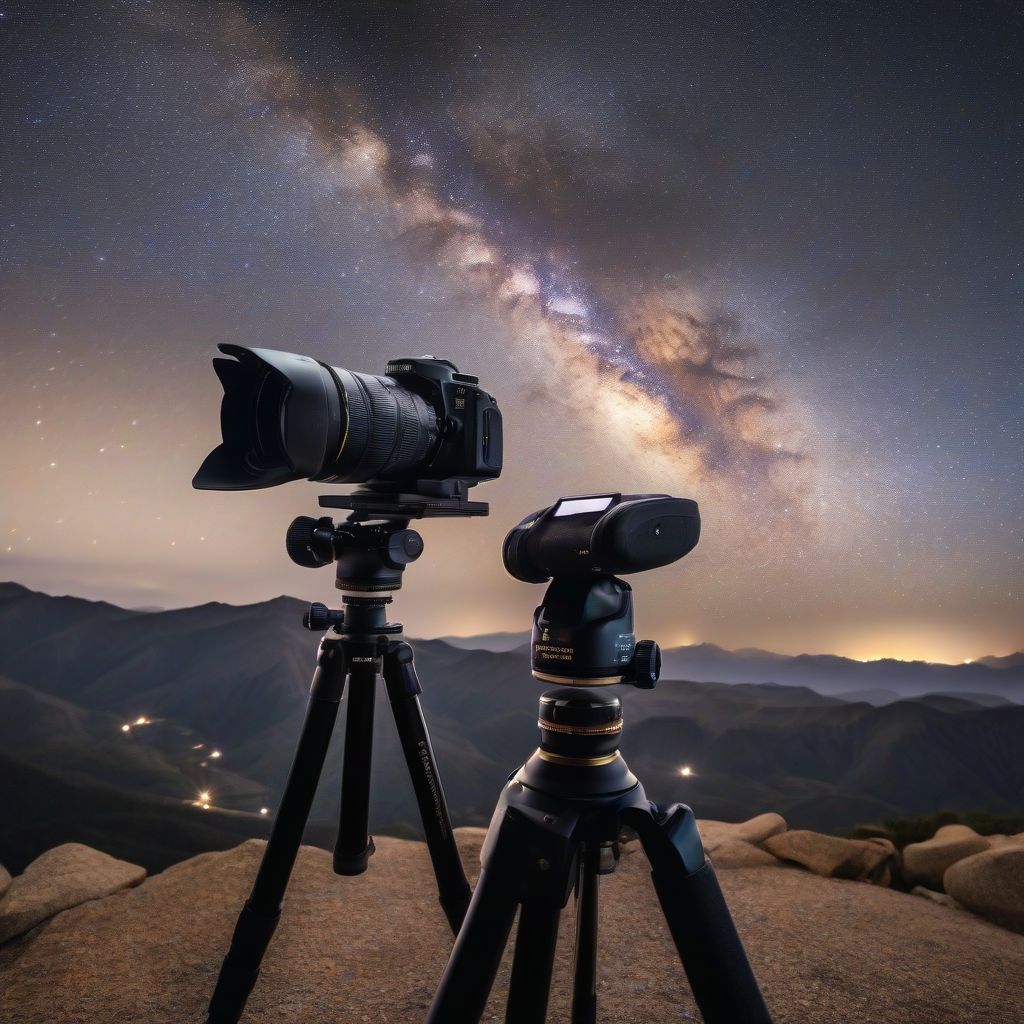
(233, 680)
(829, 674)
(497, 642)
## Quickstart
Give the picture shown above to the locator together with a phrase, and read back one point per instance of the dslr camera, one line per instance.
(421, 427)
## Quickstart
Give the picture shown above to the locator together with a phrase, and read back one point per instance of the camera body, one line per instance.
(423, 427)
(469, 446)
(583, 629)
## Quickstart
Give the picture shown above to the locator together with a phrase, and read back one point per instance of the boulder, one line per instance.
(755, 830)
(870, 860)
(758, 829)
(5, 881)
(926, 862)
(991, 884)
(738, 853)
(61, 878)
(1015, 840)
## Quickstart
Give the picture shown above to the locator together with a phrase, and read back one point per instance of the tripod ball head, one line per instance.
(583, 629)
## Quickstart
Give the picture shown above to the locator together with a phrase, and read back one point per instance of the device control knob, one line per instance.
(320, 617)
(308, 541)
(646, 664)
(404, 546)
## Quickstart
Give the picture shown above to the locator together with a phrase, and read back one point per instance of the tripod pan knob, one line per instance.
(404, 546)
(646, 666)
(308, 542)
(320, 617)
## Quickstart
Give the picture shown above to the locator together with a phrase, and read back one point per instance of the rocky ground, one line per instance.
(372, 948)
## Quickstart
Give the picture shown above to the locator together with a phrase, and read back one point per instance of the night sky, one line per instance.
(767, 256)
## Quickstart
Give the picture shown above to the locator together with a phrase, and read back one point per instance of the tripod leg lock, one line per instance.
(400, 671)
(677, 825)
(249, 942)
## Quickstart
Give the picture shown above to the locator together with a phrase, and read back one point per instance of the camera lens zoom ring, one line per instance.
(382, 416)
(415, 436)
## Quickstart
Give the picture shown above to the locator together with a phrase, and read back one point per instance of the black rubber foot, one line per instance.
(353, 865)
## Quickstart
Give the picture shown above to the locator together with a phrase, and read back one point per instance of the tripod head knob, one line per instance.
(404, 547)
(320, 617)
(646, 665)
(310, 541)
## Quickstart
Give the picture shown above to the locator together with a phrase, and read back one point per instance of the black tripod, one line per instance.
(359, 644)
(555, 830)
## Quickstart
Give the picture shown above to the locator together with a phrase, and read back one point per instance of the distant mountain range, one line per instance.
(222, 691)
(878, 682)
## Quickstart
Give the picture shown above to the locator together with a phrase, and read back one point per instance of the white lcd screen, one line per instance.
(577, 506)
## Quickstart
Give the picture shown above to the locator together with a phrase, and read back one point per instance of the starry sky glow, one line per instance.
(770, 259)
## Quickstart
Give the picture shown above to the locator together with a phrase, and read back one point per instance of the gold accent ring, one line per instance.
(605, 729)
(546, 677)
(577, 762)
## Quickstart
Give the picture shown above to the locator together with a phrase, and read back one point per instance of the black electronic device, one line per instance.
(422, 427)
(583, 628)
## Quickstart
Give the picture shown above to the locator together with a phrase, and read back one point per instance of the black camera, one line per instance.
(583, 629)
(287, 417)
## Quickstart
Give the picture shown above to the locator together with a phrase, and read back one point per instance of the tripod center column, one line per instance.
(579, 727)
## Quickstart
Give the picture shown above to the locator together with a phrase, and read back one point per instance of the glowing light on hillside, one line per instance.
(126, 728)
(198, 746)
(205, 796)
(141, 720)
(264, 810)
(214, 753)
(686, 771)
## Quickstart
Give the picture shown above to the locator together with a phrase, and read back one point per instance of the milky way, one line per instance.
(676, 377)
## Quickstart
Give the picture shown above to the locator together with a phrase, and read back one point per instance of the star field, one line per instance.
(766, 258)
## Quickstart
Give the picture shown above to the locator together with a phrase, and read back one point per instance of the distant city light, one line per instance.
(686, 771)
(264, 810)
(198, 746)
(141, 720)
(214, 753)
(126, 728)
(205, 796)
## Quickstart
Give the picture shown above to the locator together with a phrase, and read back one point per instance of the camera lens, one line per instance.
(288, 417)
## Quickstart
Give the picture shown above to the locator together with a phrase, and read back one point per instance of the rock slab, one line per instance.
(991, 884)
(870, 860)
(372, 949)
(5, 881)
(62, 878)
(755, 830)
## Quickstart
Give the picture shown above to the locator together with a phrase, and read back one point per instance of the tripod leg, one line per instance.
(467, 980)
(584, 990)
(534, 958)
(353, 846)
(403, 691)
(698, 918)
(261, 912)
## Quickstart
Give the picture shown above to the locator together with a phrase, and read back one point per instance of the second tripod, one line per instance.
(359, 645)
